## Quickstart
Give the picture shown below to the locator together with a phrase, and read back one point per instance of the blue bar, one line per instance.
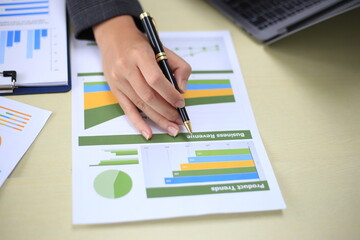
(17, 36)
(96, 88)
(2, 46)
(22, 14)
(212, 178)
(21, 3)
(25, 8)
(10, 38)
(30, 44)
(225, 158)
(37, 39)
(207, 86)
(44, 32)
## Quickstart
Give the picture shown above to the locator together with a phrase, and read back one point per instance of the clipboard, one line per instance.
(8, 84)
(45, 41)
(13, 89)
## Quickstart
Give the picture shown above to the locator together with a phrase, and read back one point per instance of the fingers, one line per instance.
(136, 119)
(180, 68)
(135, 78)
(141, 93)
(157, 80)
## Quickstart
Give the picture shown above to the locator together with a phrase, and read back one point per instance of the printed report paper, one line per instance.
(118, 176)
(33, 41)
(19, 126)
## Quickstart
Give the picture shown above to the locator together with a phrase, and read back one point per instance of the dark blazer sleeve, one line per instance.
(86, 13)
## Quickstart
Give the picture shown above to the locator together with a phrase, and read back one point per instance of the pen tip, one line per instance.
(188, 126)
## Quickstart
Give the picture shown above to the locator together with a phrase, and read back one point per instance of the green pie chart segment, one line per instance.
(113, 184)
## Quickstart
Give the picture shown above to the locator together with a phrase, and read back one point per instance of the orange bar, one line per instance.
(11, 123)
(208, 93)
(216, 165)
(15, 111)
(98, 99)
(11, 127)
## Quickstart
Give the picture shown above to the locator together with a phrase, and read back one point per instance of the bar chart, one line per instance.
(29, 40)
(23, 8)
(116, 157)
(200, 168)
(100, 105)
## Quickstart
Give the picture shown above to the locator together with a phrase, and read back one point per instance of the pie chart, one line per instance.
(113, 184)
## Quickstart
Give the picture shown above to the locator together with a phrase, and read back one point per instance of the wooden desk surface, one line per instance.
(305, 93)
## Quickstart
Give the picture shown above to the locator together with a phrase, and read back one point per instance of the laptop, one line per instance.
(271, 20)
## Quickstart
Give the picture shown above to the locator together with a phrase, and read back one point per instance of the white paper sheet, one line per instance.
(118, 176)
(19, 126)
(33, 41)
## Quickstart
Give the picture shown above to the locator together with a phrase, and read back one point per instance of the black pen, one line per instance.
(161, 58)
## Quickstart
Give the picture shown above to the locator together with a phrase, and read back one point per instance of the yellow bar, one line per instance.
(208, 93)
(216, 165)
(98, 99)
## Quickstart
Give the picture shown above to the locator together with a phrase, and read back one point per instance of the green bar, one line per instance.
(95, 83)
(208, 100)
(210, 81)
(221, 152)
(213, 171)
(123, 152)
(164, 138)
(119, 162)
(193, 72)
(212, 71)
(207, 189)
(90, 74)
(92, 44)
(95, 116)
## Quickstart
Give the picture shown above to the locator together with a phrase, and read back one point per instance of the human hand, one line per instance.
(135, 78)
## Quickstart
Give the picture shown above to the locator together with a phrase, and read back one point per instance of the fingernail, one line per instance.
(172, 131)
(146, 135)
(183, 86)
(180, 104)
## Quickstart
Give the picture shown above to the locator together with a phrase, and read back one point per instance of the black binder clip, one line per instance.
(8, 88)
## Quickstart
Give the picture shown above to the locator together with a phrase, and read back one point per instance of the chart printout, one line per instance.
(118, 176)
(33, 41)
(20, 124)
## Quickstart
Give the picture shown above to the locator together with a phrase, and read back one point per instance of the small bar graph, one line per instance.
(118, 157)
(24, 8)
(216, 160)
(198, 167)
(30, 41)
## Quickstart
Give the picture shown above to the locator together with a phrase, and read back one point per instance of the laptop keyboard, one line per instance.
(264, 13)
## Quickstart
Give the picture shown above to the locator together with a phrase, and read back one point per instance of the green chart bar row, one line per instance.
(210, 81)
(207, 189)
(117, 162)
(212, 71)
(164, 138)
(221, 152)
(209, 100)
(204, 172)
(89, 74)
(123, 152)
